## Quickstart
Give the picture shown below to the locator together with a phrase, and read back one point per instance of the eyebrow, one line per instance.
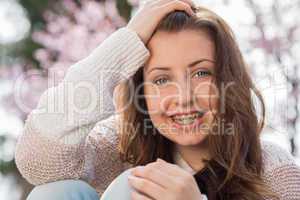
(189, 65)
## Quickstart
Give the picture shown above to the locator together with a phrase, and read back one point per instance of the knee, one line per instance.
(64, 190)
(119, 188)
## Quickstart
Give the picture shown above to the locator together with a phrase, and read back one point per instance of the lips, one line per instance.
(188, 121)
(188, 116)
(179, 114)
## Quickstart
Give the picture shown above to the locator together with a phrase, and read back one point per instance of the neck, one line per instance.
(193, 155)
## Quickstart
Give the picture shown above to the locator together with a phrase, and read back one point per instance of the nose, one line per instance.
(185, 96)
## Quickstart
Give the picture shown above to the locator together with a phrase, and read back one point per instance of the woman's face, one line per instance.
(178, 85)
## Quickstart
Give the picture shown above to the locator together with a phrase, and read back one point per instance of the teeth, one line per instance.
(186, 119)
(187, 116)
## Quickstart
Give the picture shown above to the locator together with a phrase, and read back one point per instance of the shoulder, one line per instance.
(281, 172)
(275, 156)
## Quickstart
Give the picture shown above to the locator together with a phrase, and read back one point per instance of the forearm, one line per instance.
(54, 144)
(85, 95)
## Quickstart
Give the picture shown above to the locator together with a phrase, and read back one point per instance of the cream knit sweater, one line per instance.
(72, 132)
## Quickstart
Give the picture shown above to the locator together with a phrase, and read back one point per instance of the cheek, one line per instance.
(206, 95)
(153, 99)
(159, 99)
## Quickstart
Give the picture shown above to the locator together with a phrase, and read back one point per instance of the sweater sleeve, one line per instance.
(71, 134)
(282, 174)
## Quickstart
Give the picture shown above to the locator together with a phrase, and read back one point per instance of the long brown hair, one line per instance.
(239, 154)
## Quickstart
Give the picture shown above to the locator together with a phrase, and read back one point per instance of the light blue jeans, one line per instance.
(80, 190)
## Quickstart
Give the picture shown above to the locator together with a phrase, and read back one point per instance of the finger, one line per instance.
(178, 5)
(190, 2)
(146, 186)
(153, 173)
(169, 168)
(137, 196)
(161, 2)
(165, 169)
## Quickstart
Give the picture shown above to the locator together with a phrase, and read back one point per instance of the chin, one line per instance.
(187, 139)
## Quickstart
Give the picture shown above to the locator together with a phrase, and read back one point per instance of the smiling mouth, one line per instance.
(188, 120)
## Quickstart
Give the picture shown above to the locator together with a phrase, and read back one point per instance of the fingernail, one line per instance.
(131, 178)
(133, 171)
(136, 169)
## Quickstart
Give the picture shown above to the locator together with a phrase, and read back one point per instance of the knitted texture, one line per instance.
(72, 132)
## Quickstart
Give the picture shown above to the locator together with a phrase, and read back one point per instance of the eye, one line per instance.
(160, 81)
(203, 73)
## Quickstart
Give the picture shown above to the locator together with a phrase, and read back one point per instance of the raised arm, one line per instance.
(57, 142)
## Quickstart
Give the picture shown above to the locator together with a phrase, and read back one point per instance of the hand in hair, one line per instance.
(161, 180)
(152, 12)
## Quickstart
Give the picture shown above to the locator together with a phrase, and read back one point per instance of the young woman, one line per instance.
(184, 97)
